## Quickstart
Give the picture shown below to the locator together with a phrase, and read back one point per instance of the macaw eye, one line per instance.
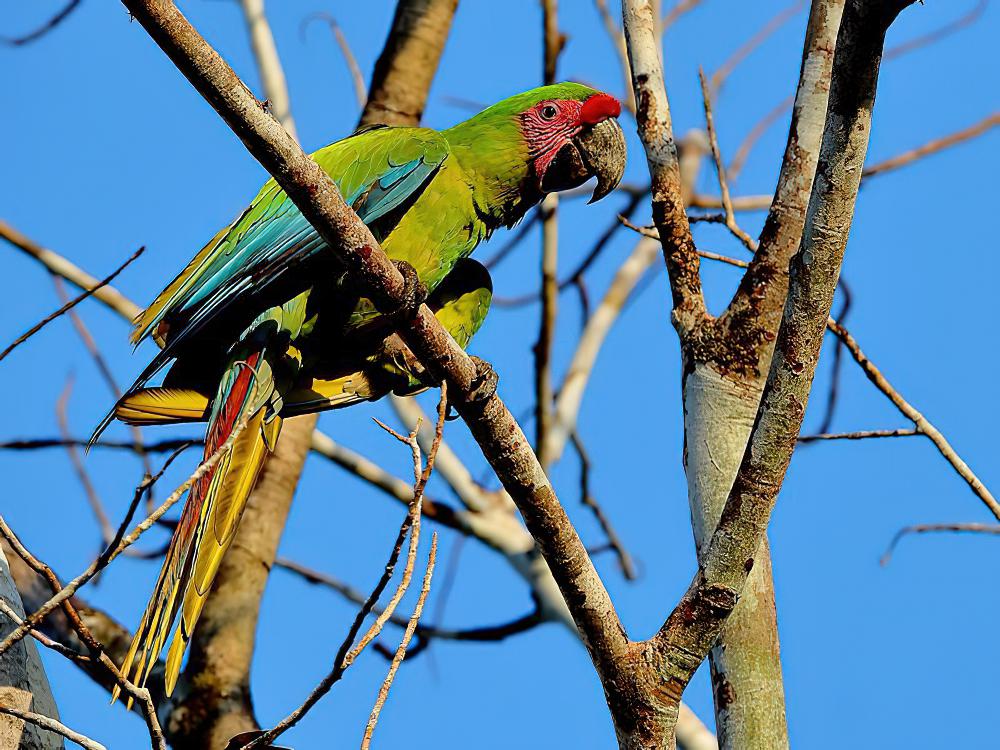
(549, 112)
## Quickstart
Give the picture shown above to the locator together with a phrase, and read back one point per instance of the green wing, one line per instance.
(377, 172)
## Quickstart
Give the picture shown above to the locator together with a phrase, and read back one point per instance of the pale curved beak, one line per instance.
(597, 151)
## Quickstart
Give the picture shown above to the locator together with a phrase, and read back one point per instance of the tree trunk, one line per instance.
(746, 668)
(23, 684)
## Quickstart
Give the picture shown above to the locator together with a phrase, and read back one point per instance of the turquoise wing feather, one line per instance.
(376, 171)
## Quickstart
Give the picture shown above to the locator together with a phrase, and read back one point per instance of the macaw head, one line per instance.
(566, 134)
(572, 133)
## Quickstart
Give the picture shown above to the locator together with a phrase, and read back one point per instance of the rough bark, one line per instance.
(721, 394)
(643, 681)
(265, 52)
(405, 69)
(641, 23)
(23, 683)
(730, 554)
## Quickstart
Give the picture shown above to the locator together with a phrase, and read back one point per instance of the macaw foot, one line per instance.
(414, 291)
(484, 385)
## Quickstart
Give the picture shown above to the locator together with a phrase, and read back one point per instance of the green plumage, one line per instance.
(262, 324)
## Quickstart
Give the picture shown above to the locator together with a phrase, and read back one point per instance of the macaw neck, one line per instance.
(496, 164)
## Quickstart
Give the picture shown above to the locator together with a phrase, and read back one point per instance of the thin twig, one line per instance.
(674, 14)
(90, 343)
(740, 202)
(162, 446)
(69, 305)
(617, 37)
(46, 572)
(63, 268)
(833, 394)
(357, 79)
(858, 435)
(652, 234)
(727, 202)
(404, 642)
(120, 543)
(932, 147)
(45, 28)
(756, 133)
(773, 115)
(103, 523)
(515, 239)
(349, 649)
(97, 650)
(428, 632)
(575, 277)
(59, 648)
(920, 422)
(937, 34)
(369, 471)
(587, 498)
(744, 50)
(923, 528)
(52, 725)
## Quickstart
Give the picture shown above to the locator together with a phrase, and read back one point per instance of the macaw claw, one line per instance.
(414, 290)
(484, 384)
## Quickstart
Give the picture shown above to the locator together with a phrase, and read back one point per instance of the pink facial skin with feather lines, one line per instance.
(551, 124)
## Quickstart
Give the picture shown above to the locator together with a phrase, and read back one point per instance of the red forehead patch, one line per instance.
(599, 107)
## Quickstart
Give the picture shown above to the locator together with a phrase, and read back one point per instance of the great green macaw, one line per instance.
(262, 324)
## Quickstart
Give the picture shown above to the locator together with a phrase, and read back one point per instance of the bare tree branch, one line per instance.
(923, 426)
(119, 543)
(404, 71)
(69, 305)
(60, 266)
(265, 53)
(404, 642)
(859, 435)
(656, 132)
(426, 632)
(772, 116)
(52, 725)
(680, 8)
(53, 22)
(720, 170)
(552, 42)
(357, 80)
(924, 528)
(725, 70)
(932, 147)
(352, 646)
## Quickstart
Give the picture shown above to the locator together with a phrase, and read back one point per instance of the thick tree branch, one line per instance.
(693, 626)
(656, 132)
(404, 71)
(494, 428)
(265, 53)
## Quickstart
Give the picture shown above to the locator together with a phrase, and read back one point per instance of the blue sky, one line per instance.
(106, 147)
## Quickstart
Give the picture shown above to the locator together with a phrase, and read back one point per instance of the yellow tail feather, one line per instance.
(151, 406)
(191, 572)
